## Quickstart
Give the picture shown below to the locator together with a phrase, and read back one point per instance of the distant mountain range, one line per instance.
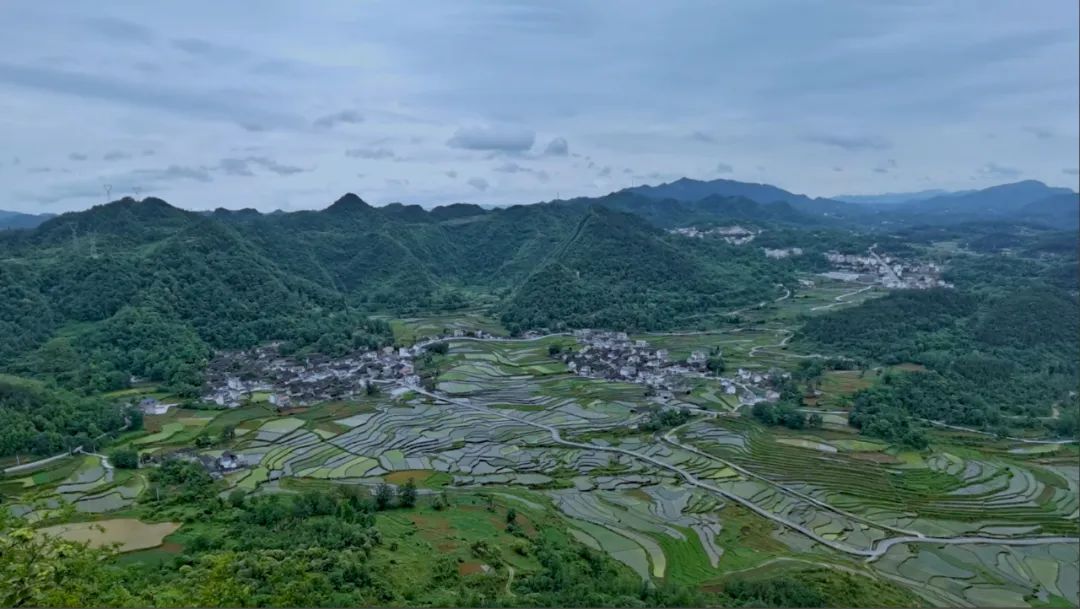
(687, 201)
(898, 197)
(14, 219)
(1026, 201)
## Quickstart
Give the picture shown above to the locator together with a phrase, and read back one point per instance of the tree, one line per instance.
(441, 348)
(814, 420)
(406, 494)
(384, 496)
(554, 349)
(227, 433)
(715, 363)
(135, 419)
(511, 516)
(124, 458)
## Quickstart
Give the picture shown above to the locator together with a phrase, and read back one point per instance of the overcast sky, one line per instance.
(288, 105)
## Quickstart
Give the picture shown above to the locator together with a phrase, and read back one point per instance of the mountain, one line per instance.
(17, 220)
(1058, 211)
(686, 189)
(1005, 200)
(139, 287)
(669, 213)
(891, 198)
(616, 270)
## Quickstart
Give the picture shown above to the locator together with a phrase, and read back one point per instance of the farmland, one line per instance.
(968, 521)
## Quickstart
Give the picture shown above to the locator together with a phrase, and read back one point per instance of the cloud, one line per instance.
(236, 167)
(701, 136)
(1071, 171)
(885, 167)
(850, 143)
(605, 172)
(39, 170)
(77, 156)
(511, 167)
(995, 170)
(724, 168)
(397, 182)
(451, 174)
(173, 173)
(837, 168)
(211, 51)
(478, 183)
(116, 155)
(211, 106)
(119, 30)
(243, 166)
(275, 167)
(345, 117)
(495, 139)
(557, 147)
(370, 153)
(148, 152)
(1039, 132)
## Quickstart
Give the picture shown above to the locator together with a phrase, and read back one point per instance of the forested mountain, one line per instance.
(16, 220)
(893, 198)
(672, 212)
(617, 271)
(686, 189)
(1003, 201)
(143, 288)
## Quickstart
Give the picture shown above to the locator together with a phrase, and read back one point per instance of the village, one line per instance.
(235, 376)
(890, 272)
(614, 356)
(735, 235)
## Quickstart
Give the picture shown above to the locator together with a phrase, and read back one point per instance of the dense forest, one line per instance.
(998, 351)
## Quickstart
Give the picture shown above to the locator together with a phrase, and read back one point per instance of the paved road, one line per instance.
(841, 299)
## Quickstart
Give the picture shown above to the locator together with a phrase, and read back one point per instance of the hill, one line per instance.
(617, 271)
(1005, 200)
(686, 189)
(16, 220)
(143, 288)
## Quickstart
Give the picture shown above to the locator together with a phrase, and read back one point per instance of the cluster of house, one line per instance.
(782, 252)
(890, 272)
(233, 376)
(736, 235)
(614, 356)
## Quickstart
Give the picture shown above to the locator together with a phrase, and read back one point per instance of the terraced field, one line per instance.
(955, 524)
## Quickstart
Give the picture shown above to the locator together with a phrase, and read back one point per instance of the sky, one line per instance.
(288, 105)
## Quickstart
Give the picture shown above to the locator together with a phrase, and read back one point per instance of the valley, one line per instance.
(841, 411)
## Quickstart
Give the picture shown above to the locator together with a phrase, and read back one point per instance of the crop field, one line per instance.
(714, 496)
(410, 329)
(128, 533)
